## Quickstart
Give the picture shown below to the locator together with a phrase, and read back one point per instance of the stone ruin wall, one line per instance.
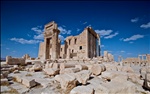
(81, 46)
(15, 61)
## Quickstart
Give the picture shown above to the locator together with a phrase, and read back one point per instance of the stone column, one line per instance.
(68, 53)
(99, 46)
(142, 57)
(54, 45)
(44, 56)
(87, 43)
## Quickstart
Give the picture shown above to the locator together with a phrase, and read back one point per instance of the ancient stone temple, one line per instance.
(49, 49)
(82, 46)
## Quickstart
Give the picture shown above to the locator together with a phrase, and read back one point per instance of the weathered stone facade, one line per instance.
(137, 61)
(82, 46)
(49, 49)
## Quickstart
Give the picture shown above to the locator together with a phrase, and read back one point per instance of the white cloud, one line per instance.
(145, 26)
(13, 51)
(102, 45)
(40, 36)
(37, 29)
(69, 32)
(85, 23)
(28, 35)
(24, 41)
(78, 29)
(61, 37)
(135, 20)
(64, 31)
(122, 51)
(111, 36)
(131, 42)
(134, 37)
(103, 32)
(129, 53)
(7, 48)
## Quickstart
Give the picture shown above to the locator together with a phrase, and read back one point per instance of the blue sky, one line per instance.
(124, 26)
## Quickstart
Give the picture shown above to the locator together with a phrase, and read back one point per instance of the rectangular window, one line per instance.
(75, 41)
(80, 48)
(61, 49)
(69, 41)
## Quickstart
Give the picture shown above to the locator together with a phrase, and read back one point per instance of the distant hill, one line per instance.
(3, 59)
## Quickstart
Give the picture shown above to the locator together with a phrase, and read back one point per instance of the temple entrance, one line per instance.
(48, 48)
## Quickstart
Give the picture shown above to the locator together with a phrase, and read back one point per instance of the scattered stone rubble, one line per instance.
(93, 76)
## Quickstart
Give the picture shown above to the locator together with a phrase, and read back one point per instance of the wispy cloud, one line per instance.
(63, 30)
(131, 42)
(40, 36)
(134, 37)
(145, 26)
(122, 51)
(103, 32)
(39, 32)
(85, 23)
(135, 20)
(106, 33)
(61, 38)
(24, 41)
(7, 48)
(37, 29)
(111, 36)
(129, 53)
(13, 51)
(78, 29)
(28, 35)
(102, 46)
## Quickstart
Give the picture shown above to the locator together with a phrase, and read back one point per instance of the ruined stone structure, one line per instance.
(49, 49)
(15, 61)
(82, 46)
(108, 57)
(141, 60)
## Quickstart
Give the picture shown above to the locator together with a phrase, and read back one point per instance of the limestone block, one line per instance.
(108, 75)
(37, 67)
(2, 76)
(28, 82)
(67, 65)
(110, 67)
(114, 87)
(48, 64)
(81, 67)
(147, 81)
(135, 78)
(127, 69)
(56, 65)
(51, 71)
(67, 81)
(97, 69)
(18, 78)
(119, 68)
(16, 71)
(120, 78)
(4, 81)
(5, 73)
(69, 70)
(89, 66)
(82, 90)
(83, 76)
(16, 66)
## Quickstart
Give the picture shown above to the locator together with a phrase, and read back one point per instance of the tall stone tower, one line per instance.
(51, 41)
